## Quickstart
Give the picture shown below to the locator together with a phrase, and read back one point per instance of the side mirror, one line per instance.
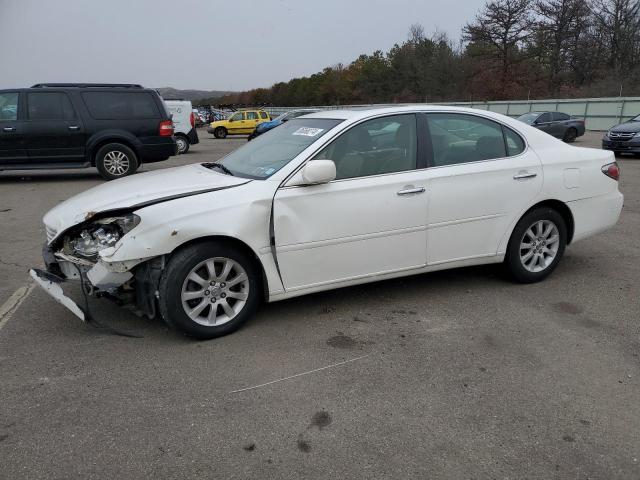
(313, 173)
(318, 171)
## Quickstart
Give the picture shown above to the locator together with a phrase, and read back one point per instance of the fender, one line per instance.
(111, 135)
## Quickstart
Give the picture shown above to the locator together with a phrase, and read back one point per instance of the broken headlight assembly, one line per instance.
(101, 234)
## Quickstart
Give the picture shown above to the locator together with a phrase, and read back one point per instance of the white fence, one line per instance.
(598, 113)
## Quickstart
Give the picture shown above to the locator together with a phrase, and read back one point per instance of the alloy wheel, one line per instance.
(116, 163)
(215, 291)
(539, 245)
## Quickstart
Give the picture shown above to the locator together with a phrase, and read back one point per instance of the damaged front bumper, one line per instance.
(51, 284)
(129, 284)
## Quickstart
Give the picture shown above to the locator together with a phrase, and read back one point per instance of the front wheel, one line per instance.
(220, 132)
(536, 245)
(116, 160)
(209, 290)
(183, 144)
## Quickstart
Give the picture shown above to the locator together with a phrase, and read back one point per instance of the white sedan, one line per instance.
(327, 200)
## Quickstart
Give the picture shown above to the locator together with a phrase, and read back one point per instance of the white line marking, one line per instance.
(9, 307)
(300, 374)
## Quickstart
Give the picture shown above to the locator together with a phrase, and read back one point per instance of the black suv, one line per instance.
(113, 127)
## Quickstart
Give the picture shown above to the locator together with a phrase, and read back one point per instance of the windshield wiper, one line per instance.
(220, 166)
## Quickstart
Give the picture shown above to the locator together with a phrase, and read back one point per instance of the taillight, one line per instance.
(611, 170)
(192, 119)
(166, 128)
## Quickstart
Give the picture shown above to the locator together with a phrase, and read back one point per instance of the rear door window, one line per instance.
(559, 116)
(252, 115)
(8, 106)
(120, 105)
(460, 138)
(49, 106)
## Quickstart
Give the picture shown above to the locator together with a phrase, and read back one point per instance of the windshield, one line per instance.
(528, 117)
(268, 153)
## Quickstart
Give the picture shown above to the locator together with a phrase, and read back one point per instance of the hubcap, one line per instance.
(215, 291)
(116, 162)
(182, 144)
(539, 245)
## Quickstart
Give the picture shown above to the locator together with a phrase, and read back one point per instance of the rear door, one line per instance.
(12, 143)
(481, 180)
(53, 129)
(560, 124)
(252, 121)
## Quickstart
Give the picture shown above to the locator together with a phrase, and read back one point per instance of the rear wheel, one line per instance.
(536, 245)
(220, 132)
(570, 135)
(183, 144)
(116, 160)
(209, 290)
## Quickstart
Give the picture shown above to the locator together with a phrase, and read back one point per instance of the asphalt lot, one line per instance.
(457, 374)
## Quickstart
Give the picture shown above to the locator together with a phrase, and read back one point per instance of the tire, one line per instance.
(220, 132)
(183, 144)
(115, 160)
(524, 264)
(178, 292)
(570, 135)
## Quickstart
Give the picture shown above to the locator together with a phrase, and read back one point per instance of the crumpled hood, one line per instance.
(137, 191)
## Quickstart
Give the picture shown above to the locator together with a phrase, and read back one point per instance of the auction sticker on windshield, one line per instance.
(308, 131)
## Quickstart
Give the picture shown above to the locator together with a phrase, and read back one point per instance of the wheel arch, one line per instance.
(236, 243)
(562, 208)
(95, 148)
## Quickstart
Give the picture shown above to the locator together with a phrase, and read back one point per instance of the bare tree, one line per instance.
(503, 26)
(560, 27)
(619, 23)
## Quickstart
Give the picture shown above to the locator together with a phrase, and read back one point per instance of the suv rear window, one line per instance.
(264, 115)
(120, 105)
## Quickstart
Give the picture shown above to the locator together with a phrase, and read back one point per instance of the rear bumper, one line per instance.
(596, 214)
(156, 152)
(631, 146)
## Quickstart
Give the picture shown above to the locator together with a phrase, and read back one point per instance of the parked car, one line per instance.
(328, 200)
(113, 127)
(624, 137)
(184, 124)
(557, 124)
(279, 120)
(243, 122)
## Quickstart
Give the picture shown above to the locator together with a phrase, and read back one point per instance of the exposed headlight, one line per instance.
(103, 233)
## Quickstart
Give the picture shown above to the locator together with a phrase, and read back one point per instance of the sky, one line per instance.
(205, 44)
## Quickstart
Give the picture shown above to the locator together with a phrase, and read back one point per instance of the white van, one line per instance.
(184, 121)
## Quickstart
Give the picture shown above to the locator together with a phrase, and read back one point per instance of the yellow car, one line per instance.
(243, 122)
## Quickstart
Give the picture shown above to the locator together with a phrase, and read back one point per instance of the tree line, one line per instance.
(512, 49)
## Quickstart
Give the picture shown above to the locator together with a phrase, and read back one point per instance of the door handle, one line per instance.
(409, 191)
(9, 129)
(524, 175)
(74, 127)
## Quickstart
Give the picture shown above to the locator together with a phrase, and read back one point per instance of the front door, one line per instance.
(237, 123)
(53, 130)
(369, 221)
(482, 179)
(12, 144)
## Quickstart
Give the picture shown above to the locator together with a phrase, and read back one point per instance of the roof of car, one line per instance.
(355, 113)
